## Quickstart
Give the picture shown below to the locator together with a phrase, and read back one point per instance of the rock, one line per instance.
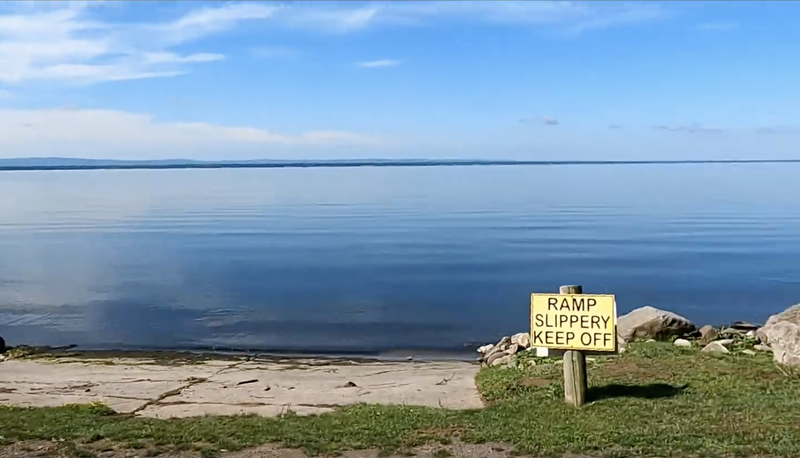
(725, 342)
(650, 341)
(494, 356)
(2, 345)
(708, 333)
(749, 352)
(523, 339)
(762, 347)
(485, 349)
(744, 326)
(682, 343)
(730, 332)
(496, 350)
(512, 350)
(651, 323)
(504, 343)
(751, 334)
(505, 359)
(715, 347)
(782, 334)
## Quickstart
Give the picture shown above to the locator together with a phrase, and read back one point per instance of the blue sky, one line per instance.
(513, 80)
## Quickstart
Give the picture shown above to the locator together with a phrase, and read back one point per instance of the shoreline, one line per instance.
(469, 354)
(243, 408)
(114, 404)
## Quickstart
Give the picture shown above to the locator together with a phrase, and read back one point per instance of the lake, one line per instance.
(382, 259)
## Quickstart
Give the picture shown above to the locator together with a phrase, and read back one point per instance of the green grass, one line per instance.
(655, 400)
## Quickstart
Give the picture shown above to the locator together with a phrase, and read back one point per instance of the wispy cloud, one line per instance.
(124, 134)
(718, 26)
(68, 42)
(548, 121)
(339, 19)
(778, 130)
(614, 126)
(572, 17)
(4, 94)
(545, 120)
(691, 128)
(76, 42)
(379, 63)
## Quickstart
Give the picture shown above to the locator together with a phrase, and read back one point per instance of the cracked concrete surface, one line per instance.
(267, 388)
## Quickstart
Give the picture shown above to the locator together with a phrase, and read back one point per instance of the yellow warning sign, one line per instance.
(574, 321)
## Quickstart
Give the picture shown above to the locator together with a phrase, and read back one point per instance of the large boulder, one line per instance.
(782, 334)
(2, 345)
(708, 333)
(715, 347)
(651, 323)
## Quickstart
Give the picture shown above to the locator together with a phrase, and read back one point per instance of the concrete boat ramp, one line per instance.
(168, 388)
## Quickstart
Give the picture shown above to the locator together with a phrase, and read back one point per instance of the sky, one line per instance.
(469, 80)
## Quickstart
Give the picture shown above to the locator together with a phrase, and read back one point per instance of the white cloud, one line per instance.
(62, 42)
(695, 128)
(206, 21)
(76, 42)
(336, 19)
(118, 134)
(379, 63)
(573, 17)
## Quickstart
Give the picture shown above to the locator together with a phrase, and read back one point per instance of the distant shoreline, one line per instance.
(359, 163)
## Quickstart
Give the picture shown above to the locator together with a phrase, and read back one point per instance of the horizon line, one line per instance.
(165, 164)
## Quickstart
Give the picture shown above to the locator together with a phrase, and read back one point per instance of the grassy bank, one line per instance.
(655, 400)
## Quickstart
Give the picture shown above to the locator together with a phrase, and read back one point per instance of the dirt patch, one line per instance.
(535, 382)
(29, 449)
(455, 449)
(620, 367)
(55, 449)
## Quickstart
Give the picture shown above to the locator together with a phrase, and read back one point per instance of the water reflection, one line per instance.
(381, 258)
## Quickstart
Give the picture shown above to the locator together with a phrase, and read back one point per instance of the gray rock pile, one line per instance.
(503, 351)
(739, 336)
(780, 335)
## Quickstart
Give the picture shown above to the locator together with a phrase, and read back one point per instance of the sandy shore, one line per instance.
(164, 388)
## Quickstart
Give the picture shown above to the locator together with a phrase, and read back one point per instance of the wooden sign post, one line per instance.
(575, 322)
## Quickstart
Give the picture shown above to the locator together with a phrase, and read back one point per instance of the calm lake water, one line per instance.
(382, 259)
